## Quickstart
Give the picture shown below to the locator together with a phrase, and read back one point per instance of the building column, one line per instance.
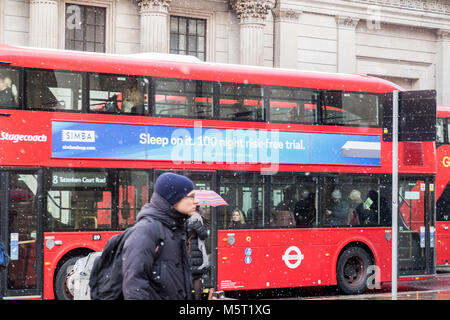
(286, 38)
(252, 14)
(443, 67)
(154, 15)
(44, 23)
(346, 44)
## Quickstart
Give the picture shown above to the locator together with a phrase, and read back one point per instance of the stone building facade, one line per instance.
(405, 41)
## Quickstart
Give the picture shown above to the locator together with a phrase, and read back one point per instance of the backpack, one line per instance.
(78, 277)
(4, 257)
(105, 280)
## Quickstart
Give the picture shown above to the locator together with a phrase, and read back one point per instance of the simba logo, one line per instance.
(78, 135)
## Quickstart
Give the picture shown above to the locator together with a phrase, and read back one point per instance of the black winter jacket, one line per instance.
(167, 277)
(196, 230)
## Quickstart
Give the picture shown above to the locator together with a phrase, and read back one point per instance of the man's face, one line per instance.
(2, 83)
(187, 205)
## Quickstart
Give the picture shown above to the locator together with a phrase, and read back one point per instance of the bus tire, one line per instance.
(351, 270)
(61, 289)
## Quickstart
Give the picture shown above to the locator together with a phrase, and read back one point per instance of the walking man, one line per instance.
(147, 273)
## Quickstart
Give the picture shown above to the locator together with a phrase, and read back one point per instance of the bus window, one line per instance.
(78, 200)
(53, 90)
(443, 205)
(445, 133)
(350, 108)
(440, 136)
(183, 98)
(448, 132)
(241, 102)
(118, 94)
(244, 192)
(22, 225)
(293, 201)
(353, 201)
(9, 91)
(293, 105)
(133, 194)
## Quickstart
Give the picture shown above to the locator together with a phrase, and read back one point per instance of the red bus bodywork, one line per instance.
(270, 256)
(442, 179)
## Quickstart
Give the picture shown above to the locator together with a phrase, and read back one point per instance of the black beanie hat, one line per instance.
(173, 187)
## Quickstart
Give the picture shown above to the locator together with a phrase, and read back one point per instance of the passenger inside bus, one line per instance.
(133, 101)
(7, 97)
(283, 214)
(237, 219)
(305, 211)
(338, 213)
(378, 206)
(356, 208)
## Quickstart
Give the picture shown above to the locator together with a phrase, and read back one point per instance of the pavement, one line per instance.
(435, 288)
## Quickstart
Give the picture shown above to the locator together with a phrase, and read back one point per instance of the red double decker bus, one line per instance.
(300, 155)
(443, 187)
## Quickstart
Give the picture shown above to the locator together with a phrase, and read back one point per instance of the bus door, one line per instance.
(22, 234)
(416, 238)
(204, 180)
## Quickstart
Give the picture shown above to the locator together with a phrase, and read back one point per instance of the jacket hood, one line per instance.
(161, 210)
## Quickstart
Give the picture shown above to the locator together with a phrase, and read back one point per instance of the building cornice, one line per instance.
(432, 6)
(431, 14)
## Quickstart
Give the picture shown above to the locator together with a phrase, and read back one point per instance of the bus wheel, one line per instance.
(62, 291)
(351, 271)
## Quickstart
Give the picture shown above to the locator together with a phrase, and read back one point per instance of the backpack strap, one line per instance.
(161, 235)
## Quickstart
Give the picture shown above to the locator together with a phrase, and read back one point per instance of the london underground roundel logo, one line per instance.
(292, 257)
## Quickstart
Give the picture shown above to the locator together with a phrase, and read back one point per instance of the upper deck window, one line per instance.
(53, 90)
(118, 94)
(188, 36)
(442, 131)
(294, 105)
(183, 98)
(85, 28)
(241, 102)
(9, 94)
(350, 108)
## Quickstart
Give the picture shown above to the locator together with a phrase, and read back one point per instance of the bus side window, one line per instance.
(241, 102)
(53, 90)
(118, 94)
(350, 108)
(293, 105)
(440, 138)
(9, 93)
(183, 98)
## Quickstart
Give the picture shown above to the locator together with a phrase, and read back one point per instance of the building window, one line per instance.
(188, 36)
(85, 28)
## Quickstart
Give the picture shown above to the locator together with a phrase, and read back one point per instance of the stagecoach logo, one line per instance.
(78, 135)
(15, 138)
(292, 257)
